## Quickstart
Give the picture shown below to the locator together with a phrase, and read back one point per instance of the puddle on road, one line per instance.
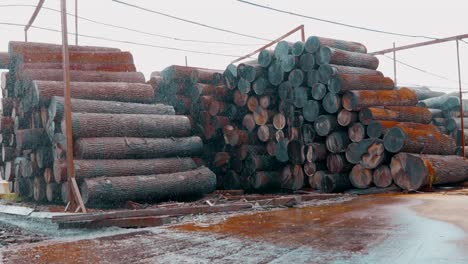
(373, 228)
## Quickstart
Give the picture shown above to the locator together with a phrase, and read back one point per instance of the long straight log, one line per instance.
(194, 74)
(99, 191)
(328, 71)
(314, 43)
(128, 148)
(412, 172)
(78, 57)
(328, 55)
(19, 47)
(356, 100)
(378, 128)
(128, 125)
(107, 67)
(382, 176)
(402, 139)
(114, 168)
(56, 108)
(396, 113)
(342, 83)
(335, 182)
(360, 177)
(43, 91)
(445, 102)
(425, 92)
(81, 76)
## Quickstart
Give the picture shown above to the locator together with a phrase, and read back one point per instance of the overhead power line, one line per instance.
(126, 41)
(334, 22)
(191, 21)
(135, 30)
(422, 70)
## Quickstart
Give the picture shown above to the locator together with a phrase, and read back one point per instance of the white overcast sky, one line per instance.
(416, 17)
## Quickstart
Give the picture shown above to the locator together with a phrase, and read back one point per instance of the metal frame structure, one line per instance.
(301, 28)
(456, 38)
(76, 201)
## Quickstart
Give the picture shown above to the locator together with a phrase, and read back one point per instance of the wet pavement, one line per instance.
(419, 228)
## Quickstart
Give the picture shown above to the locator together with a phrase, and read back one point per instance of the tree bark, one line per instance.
(7, 125)
(412, 172)
(113, 168)
(78, 57)
(346, 118)
(342, 83)
(31, 138)
(81, 76)
(445, 102)
(104, 190)
(402, 139)
(314, 43)
(378, 128)
(335, 182)
(357, 132)
(56, 108)
(128, 125)
(424, 93)
(8, 104)
(396, 113)
(328, 71)
(360, 177)
(356, 100)
(99, 67)
(134, 148)
(328, 55)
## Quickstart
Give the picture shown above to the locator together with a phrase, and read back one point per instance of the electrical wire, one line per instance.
(136, 30)
(190, 21)
(126, 41)
(334, 22)
(422, 70)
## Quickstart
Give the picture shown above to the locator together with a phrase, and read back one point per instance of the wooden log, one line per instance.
(128, 125)
(263, 116)
(314, 43)
(102, 190)
(337, 141)
(275, 73)
(299, 96)
(7, 125)
(8, 104)
(328, 71)
(296, 77)
(315, 181)
(9, 153)
(282, 49)
(249, 71)
(334, 182)
(44, 157)
(114, 168)
(260, 85)
(9, 171)
(244, 86)
(248, 122)
(412, 172)
(39, 189)
(316, 152)
(106, 67)
(288, 63)
(342, 83)
(53, 191)
(396, 113)
(194, 74)
(49, 175)
(252, 103)
(55, 110)
(129, 148)
(236, 137)
(444, 102)
(64, 192)
(43, 91)
(338, 163)
(298, 48)
(458, 152)
(307, 62)
(230, 77)
(357, 132)
(382, 176)
(378, 128)
(231, 181)
(325, 124)
(78, 57)
(81, 76)
(355, 151)
(331, 103)
(19, 47)
(296, 152)
(425, 92)
(312, 110)
(308, 134)
(266, 133)
(319, 91)
(265, 58)
(360, 177)
(436, 112)
(279, 121)
(31, 138)
(328, 55)
(457, 120)
(4, 60)
(313, 77)
(346, 118)
(292, 177)
(255, 163)
(281, 150)
(402, 139)
(457, 134)
(375, 155)
(356, 100)
(285, 91)
(240, 99)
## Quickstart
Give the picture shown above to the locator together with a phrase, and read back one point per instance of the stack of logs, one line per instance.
(446, 114)
(125, 146)
(318, 113)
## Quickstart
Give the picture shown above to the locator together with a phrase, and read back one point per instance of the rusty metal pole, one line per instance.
(303, 33)
(74, 193)
(186, 63)
(76, 22)
(461, 103)
(394, 64)
(32, 19)
(25, 35)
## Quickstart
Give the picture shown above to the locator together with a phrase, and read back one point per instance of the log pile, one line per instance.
(314, 113)
(125, 146)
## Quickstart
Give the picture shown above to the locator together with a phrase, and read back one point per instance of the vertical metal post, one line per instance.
(186, 64)
(303, 33)
(461, 103)
(394, 65)
(74, 193)
(76, 22)
(26, 35)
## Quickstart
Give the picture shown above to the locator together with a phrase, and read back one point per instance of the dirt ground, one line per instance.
(393, 228)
